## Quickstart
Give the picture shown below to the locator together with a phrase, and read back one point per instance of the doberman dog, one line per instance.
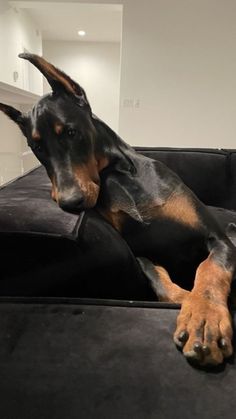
(162, 220)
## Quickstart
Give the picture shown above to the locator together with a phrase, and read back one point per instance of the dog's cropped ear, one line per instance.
(56, 78)
(122, 196)
(15, 116)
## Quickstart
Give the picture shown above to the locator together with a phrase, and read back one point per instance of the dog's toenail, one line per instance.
(183, 336)
(192, 355)
(222, 343)
(206, 350)
(197, 347)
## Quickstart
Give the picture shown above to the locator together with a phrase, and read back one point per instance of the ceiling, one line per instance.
(61, 21)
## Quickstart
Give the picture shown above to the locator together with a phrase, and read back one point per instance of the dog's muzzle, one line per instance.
(72, 203)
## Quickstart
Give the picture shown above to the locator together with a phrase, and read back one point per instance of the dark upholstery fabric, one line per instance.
(88, 362)
(232, 204)
(101, 265)
(26, 206)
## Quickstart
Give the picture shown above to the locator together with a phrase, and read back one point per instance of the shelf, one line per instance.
(12, 94)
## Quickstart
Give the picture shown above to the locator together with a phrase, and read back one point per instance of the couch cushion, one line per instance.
(88, 362)
(26, 206)
(98, 264)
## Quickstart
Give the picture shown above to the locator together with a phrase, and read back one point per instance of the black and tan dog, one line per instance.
(160, 218)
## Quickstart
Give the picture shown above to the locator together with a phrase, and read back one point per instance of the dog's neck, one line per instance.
(109, 145)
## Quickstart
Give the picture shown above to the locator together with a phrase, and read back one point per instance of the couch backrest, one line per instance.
(210, 173)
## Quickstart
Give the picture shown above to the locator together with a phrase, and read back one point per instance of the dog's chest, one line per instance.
(177, 247)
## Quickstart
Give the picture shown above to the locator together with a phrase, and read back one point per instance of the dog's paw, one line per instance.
(204, 330)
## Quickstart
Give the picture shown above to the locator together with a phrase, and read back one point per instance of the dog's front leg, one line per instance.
(204, 329)
(161, 283)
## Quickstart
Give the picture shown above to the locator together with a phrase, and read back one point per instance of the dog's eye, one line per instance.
(71, 132)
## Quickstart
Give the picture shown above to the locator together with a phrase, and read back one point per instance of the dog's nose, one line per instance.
(72, 203)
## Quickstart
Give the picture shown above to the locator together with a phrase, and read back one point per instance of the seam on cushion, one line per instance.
(76, 229)
(37, 234)
(186, 150)
(89, 302)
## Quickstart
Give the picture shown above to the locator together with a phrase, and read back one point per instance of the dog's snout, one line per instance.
(72, 203)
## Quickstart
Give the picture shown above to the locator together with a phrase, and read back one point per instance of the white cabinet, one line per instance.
(20, 85)
(18, 33)
(16, 158)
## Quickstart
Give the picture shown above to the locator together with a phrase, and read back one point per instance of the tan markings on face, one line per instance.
(35, 134)
(102, 163)
(58, 128)
(86, 175)
(54, 191)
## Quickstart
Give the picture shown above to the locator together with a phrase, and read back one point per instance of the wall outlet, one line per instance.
(128, 103)
(15, 76)
(131, 103)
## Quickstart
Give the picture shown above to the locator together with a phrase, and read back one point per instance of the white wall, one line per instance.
(179, 60)
(19, 32)
(96, 66)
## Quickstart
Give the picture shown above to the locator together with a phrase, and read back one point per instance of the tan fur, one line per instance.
(180, 209)
(214, 278)
(174, 293)
(54, 191)
(205, 315)
(58, 128)
(115, 218)
(35, 135)
(87, 177)
(55, 74)
(102, 162)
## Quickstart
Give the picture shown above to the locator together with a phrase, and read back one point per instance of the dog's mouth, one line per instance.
(76, 200)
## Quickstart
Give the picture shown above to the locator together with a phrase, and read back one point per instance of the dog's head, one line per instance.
(61, 133)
